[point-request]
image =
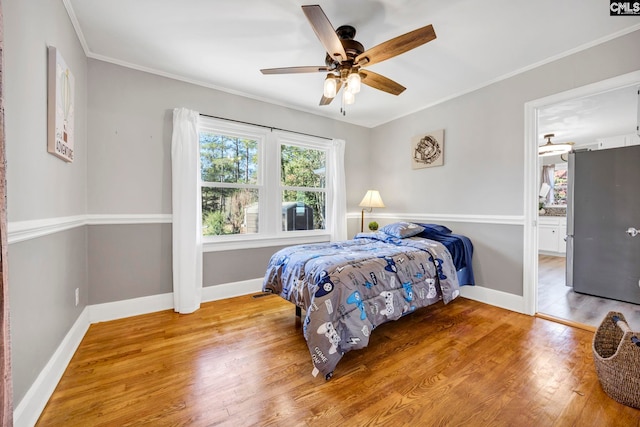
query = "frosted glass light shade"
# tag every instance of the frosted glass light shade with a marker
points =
(330, 86)
(550, 149)
(348, 97)
(354, 82)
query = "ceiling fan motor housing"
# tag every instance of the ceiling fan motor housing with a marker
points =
(352, 48)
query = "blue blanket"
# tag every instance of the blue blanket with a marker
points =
(349, 288)
(459, 246)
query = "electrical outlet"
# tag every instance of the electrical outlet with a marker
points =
(77, 296)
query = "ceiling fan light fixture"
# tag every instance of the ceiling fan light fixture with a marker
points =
(330, 86)
(551, 149)
(354, 82)
(344, 58)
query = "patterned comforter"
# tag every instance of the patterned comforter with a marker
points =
(349, 288)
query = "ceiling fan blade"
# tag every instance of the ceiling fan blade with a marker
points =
(396, 46)
(294, 70)
(325, 32)
(381, 82)
(326, 101)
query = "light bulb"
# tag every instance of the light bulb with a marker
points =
(348, 97)
(330, 86)
(354, 82)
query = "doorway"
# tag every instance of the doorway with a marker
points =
(534, 130)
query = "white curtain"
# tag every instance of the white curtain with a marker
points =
(339, 191)
(187, 216)
(548, 177)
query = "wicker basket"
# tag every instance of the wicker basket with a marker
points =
(616, 353)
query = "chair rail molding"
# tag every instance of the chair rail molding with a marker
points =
(20, 231)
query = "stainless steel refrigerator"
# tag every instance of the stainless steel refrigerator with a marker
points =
(603, 215)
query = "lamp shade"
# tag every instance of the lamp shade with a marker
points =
(372, 200)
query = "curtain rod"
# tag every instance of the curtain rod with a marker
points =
(267, 127)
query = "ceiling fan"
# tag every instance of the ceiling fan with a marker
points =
(346, 58)
(553, 149)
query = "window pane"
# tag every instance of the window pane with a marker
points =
(303, 210)
(229, 211)
(302, 167)
(560, 187)
(228, 159)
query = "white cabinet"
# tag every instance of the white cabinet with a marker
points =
(548, 238)
(618, 141)
(552, 231)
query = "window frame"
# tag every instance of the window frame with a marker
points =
(269, 180)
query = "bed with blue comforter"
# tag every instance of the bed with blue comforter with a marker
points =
(349, 288)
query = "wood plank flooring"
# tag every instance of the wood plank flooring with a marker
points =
(557, 300)
(244, 362)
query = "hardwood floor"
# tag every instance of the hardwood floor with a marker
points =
(243, 361)
(557, 300)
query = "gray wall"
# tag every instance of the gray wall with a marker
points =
(122, 166)
(40, 184)
(249, 264)
(43, 275)
(130, 124)
(484, 155)
(43, 272)
(129, 261)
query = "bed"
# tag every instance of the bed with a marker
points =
(349, 288)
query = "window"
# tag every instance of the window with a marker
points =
(230, 185)
(560, 175)
(557, 175)
(302, 184)
(261, 184)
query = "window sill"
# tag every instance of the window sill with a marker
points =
(239, 243)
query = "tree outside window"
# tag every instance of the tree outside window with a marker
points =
(229, 173)
(256, 182)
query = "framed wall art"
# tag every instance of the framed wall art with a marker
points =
(427, 150)
(60, 106)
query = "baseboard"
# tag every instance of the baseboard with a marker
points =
(493, 297)
(131, 307)
(230, 290)
(30, 407)
(550, 253)
(144, 305)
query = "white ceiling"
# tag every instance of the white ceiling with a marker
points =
(224, 44)
(583, 120)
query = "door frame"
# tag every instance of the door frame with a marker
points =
(531, 159)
